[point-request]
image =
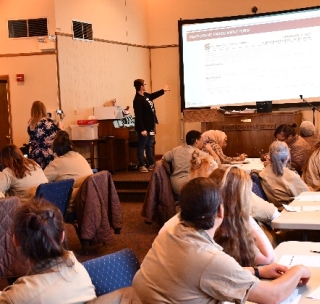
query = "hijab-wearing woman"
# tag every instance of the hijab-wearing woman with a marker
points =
(280, 183)
(42, 131)
(218, 141)
(55, 274)
(20, 176)
(239, 234)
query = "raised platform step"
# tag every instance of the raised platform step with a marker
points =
(131, 186)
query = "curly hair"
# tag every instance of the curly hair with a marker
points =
(201, 166)
(12, 157)
(234, 234)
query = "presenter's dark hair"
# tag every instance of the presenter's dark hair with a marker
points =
(38, 228)
(199, 201)
(192, 136)
(286, 129)
(62, 143)
(138, 83)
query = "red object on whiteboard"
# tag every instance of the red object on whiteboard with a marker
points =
(87, 122)
(20, 77)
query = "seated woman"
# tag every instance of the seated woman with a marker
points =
(239, 234)
(311, 169)
(280, 183)
(21, 176)
(56, 276)
(67, 163)
(180, 158)
(192, 267)
(307, 132)
(217, 141)
(299, 148)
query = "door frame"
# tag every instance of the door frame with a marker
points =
(6, 78)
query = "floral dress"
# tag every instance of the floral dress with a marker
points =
(41, 141)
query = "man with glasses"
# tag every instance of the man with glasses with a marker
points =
(145, 122)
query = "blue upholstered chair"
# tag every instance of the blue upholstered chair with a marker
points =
(256, 186)
(57, 193)
(112, 271)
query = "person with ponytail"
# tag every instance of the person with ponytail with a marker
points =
(55, 275)
(20, 176)
(280, 183)
(299, 148)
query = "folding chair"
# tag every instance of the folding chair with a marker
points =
(57, 193)
(112, 271)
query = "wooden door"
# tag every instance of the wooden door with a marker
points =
(5, 112)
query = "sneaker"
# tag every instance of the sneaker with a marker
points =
(143, 169)
(151, 167)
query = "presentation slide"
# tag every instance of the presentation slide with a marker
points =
(260, 58)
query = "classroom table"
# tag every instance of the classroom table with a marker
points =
(249, 164)
(304, 220)
(303, 248)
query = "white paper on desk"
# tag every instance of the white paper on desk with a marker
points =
(315, 295)
(308, 196)
(293, 298)
(306, 260)
(301, 208)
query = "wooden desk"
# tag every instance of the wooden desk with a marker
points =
(91, 143)
(252, 133)
(302, 248)
(114, 152)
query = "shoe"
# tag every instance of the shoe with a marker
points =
(151, 167)
(143, 169)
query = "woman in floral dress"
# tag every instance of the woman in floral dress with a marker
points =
(42, 131)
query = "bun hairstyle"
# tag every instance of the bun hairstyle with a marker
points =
(286, 129)
(62, 143)
(199, 201)
(38, 228)
(201, 166)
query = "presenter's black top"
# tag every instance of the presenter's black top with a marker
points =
(145, 112)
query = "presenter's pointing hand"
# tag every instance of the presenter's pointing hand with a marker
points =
(166, 88)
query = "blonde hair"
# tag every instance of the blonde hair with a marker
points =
(234, 234)
(201, 166)
(38, 111)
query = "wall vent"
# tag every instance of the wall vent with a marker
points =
(28, 28)
(82, 30)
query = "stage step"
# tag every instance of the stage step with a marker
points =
(131, 191)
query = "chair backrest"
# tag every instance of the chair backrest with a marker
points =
(12, 262)
(112, 271)
(58, 193)
(256, 185)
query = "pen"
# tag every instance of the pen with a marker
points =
(315, 251)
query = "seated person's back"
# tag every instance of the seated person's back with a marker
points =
(20, 176)
(68, 163)
(180, 158)
(55, 276)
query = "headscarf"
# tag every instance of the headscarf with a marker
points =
(213, 136)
